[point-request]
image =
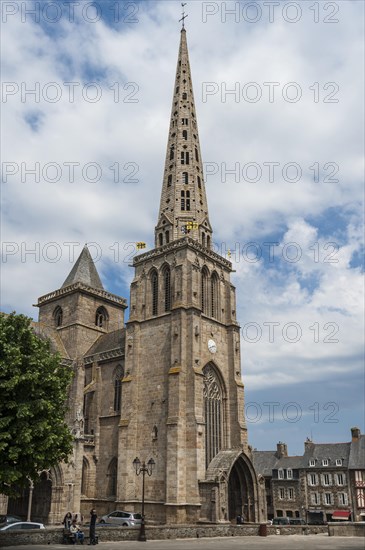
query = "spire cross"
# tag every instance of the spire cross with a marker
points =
(183, 16)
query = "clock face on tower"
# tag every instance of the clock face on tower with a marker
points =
(212, 346)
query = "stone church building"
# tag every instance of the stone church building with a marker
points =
(165, 385)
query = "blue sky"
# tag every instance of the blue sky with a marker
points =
(280, 110)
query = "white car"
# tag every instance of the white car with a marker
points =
(22, 525)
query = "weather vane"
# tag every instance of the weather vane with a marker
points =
(183, 15)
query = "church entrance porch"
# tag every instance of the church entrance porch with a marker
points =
(231, 488)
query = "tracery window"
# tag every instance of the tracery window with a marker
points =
(154, 289)
(214, 296)
(204, 290)
(117, 382)
(167, 287)
(101, 317)
(213, 408)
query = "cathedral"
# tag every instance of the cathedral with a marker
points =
(165, 385)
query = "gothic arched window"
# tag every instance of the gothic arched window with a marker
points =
(85, 475)
(101, 317)
(213, 409)
(167, 287)
(112, 477)
(154, 290)
(214, 282)
(58, 316)
(188, 200)
(204, 290)
(117, 382)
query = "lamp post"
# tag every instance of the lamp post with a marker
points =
(143, 469)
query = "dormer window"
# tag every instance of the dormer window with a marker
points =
(338, 461)
(312, 462)
(289, 473)
(325, 462)
(281, 473)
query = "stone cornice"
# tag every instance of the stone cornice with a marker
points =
(174, 246)
(104, 355)
(81, 287)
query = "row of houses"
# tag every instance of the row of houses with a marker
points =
(324, 484)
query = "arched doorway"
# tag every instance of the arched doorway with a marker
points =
(230, 488)
(42, 497)
(41, 500)
(241, 491)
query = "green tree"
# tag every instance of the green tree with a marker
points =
(33, 392)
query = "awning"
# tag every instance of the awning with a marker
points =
(341, 514)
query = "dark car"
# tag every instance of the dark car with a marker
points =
(8, 518)
(280, 521)
(297, 521)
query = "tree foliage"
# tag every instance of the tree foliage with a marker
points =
(33, 392)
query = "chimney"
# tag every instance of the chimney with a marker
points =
(281, 449)
(308, 443)
(355, 433)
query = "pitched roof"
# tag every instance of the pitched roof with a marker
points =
(84, 271)
(357, 454)
(107, 342)
(293, 462)
(332, 451)
(264, 462)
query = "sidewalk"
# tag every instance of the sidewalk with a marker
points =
(292, 542)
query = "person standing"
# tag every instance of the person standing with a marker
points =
(93, 517)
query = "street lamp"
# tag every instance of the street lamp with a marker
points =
(143, 469)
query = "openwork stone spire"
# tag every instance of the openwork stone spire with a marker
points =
(183, 207)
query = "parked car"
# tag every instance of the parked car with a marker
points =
(125, 519)
(22, 525)
(8, 518)
(280, 521)
(297, 521)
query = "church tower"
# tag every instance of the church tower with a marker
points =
(183, 396)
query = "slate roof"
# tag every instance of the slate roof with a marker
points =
(357, 454)
(332, 451)
(84, 271)
(108, 342)
(264, 462)
(291, 462)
